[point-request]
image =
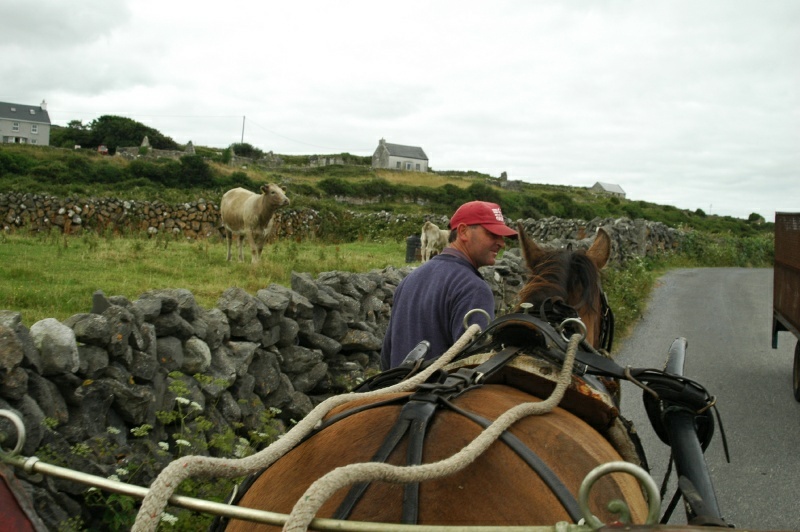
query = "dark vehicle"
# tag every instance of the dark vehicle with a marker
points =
(786, 288)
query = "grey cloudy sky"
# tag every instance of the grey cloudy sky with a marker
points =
(691, 103)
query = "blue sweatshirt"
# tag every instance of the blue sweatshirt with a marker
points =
(430, 304)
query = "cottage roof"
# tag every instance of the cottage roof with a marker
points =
(608, 187)
(25, 113)
(410, 152)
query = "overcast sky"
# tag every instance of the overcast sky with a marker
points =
(690, 103)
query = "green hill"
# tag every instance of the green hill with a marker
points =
(209, 172)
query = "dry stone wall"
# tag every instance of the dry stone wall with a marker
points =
(196, 219)
(201, 219)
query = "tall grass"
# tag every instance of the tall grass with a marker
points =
(47, 275)
(50, 276)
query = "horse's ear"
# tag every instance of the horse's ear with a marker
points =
(530, 251)
(600, 251)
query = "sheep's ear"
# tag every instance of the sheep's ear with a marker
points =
(264, 189)
(600, 251)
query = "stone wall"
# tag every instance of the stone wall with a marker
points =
(201, 219)
(196, 219)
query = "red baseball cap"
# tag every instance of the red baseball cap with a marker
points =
(482, 213)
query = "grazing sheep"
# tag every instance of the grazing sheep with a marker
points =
(247, 213)
(433, 240)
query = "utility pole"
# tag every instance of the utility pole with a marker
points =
(242, 129)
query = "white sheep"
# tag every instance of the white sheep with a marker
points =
(432, 240)
(246, 213)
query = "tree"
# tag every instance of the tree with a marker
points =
(75, 134)
(243, 149)
(116, 131)
(195, 171)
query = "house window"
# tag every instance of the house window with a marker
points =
(35, 129)
(408, 166)
(417, 167)
(398, 165)
(15, 126)
(33, 141)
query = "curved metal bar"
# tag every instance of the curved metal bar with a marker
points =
(20, 426)
(476, 311)
(617, 506)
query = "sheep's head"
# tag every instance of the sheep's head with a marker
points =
(276, 196)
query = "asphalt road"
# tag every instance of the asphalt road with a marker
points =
(726, 316)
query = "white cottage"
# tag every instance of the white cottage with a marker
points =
(608, 188)
(399, 157)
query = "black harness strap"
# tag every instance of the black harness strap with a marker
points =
(416, 438)
(547, 475)
(413, 419)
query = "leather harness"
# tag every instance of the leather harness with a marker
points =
(509, 331)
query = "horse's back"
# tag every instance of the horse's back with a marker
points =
(498, 488)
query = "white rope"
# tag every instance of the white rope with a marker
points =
(315, 496)
(178, 470)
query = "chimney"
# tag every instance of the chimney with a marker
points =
(43, 105)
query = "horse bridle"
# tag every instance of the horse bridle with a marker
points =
(554, 311)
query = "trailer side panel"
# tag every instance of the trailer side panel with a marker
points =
(786, 286)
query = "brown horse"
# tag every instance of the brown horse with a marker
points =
(499, 487)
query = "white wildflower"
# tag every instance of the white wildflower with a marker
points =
(164, 445)
(112, 430)
(115, 478)
(182, 400)
(183, 443)
(122, 472)
(169, 518)
(241, 448)
(196, 405)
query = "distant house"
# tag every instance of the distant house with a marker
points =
(24, 124)
(609, 189)
(399, 157)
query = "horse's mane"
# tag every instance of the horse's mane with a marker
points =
(570, 275)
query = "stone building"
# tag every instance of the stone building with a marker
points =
(399, 157)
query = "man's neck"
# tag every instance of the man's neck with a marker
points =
(456, 248)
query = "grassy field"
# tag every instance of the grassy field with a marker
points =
(50, 276)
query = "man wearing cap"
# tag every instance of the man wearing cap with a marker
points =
(431, 302)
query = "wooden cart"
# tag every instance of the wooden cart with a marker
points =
(786, 286)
